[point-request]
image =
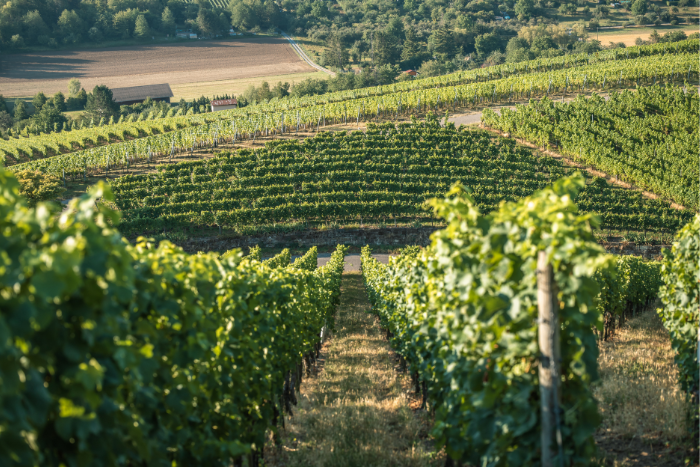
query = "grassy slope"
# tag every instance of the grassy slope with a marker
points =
(357, 410)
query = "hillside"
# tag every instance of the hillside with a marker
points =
(383, 176)
(535, 301)
(557, 76)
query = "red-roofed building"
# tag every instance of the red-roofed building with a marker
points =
(411, 72)
(223, 104)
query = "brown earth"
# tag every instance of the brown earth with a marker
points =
(24, 75)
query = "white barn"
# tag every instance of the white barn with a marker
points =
(223, 104)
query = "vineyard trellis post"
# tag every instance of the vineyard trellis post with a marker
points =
(548, 338)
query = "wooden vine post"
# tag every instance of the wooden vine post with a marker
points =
(548, 337)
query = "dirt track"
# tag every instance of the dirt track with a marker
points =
(184, 62)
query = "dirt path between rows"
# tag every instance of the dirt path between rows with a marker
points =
(357, 409)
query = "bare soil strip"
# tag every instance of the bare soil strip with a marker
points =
(178, 63)
(357, 409)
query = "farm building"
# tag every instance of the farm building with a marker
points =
(223, 104)
(137, 94)
(411, 72)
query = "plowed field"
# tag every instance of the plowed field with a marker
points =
(179, 63)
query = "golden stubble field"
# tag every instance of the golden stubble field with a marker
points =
(180, 63)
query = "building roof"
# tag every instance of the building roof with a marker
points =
(224, 102)
(135, 93)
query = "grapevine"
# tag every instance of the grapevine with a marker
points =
(142, 354)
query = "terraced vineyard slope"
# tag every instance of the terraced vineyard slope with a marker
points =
(383, 176)
(648, 137)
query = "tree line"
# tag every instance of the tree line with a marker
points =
(46, 114)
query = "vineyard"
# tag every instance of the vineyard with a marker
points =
(648, 137)
(647, 65)
(463, 316)
(214, 3)
(486, 345)
(121, 362)
(382, 176)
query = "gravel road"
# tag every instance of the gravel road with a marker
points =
(352, 262)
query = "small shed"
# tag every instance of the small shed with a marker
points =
(411, 72)
(223, 104)
(137, 94)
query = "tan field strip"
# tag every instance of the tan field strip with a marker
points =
(237, 86)
(628, 36)
(179, 63)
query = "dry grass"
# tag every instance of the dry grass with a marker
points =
(646, 417)
(356, 411)
(237, 86)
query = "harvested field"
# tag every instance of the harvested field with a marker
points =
(629, 36)
(178, 63)
(237, 86)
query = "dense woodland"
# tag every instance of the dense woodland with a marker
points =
(405, 32)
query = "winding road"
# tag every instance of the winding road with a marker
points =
(303, 55)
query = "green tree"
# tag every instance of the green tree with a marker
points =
(20, 111)
(141, 28)
(70, 23)
(95, 34)
(639, 7)
(208, 21)
(264, 93)
(48, 118)
(395, 28)
(386, 48)
(280, 90)
(6, 120)
(17, 41)
(337, 53)
(357, 51)
(124, 22)
(411, 47)
(3, 104)
(442, 42)
(100, 104)
(487, 43)
(431, 68)
(242, 16)
(542, 43)
(59, 101)
(655, 37)
(386, 74)
(319, 9)
(524, 9)
(517, 50)
(167, 21)
(495, 58)
(74, 87)
(34, 23)
(39, 101)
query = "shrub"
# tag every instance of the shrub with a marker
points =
(37, 187)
